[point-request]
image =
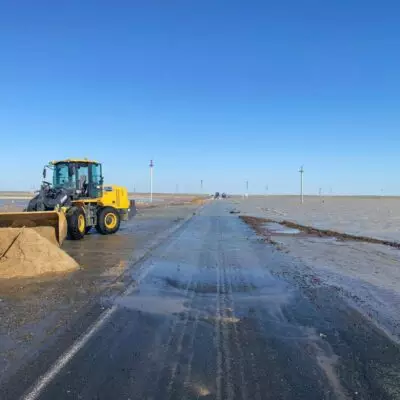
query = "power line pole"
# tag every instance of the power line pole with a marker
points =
(247, 188)
(201, 185)
(301, 184)
(151, 180)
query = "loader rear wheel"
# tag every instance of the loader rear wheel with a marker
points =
(76, 223)
(108, 220)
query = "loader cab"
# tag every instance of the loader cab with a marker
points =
(83, 177)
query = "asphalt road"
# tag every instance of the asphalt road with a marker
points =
(212, 318)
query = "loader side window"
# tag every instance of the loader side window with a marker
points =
(82, 177)
(96, 174)
(95, 181)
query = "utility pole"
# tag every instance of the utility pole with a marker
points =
(247, 188)
(201, 186)
(301, 184)
(151, 180)
(266, 189)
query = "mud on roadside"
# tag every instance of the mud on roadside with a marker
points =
(258, 223)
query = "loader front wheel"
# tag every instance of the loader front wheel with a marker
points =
(108, 220)
(76, 223)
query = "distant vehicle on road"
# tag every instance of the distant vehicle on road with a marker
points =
(216, 195)
(224, 196)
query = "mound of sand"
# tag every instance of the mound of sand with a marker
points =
(26, 253)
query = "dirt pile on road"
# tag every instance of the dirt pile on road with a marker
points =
(198, 200)
(24, 252)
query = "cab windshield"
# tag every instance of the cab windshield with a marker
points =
(62, 177)
(85, 178)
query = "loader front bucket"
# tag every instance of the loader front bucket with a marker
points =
(50, 224)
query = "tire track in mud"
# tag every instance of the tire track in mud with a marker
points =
(228, 323)
(238, 340)
(163, 361)
(179, 347)
(223, 321)
(257, 317)
(188, 376)
(166, 347)
(258, 322)
(191, 317)
(218, 347)
(205, 261)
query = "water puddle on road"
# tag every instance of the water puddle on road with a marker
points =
(153, 303)
(169, 285)
(278, 229)
(325, 240)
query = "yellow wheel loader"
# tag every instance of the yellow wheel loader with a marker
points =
(74, 202)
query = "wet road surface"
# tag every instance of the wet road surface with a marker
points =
(39, 314)
(211, 318)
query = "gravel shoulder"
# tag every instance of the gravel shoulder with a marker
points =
(35, 312)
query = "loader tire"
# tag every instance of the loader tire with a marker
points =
(34, 205)
(76, 223)
(108, 220)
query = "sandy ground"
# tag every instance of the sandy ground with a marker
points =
(377, 217)
(367, 275)
(33, 312)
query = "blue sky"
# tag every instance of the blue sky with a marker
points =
(224, 91)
